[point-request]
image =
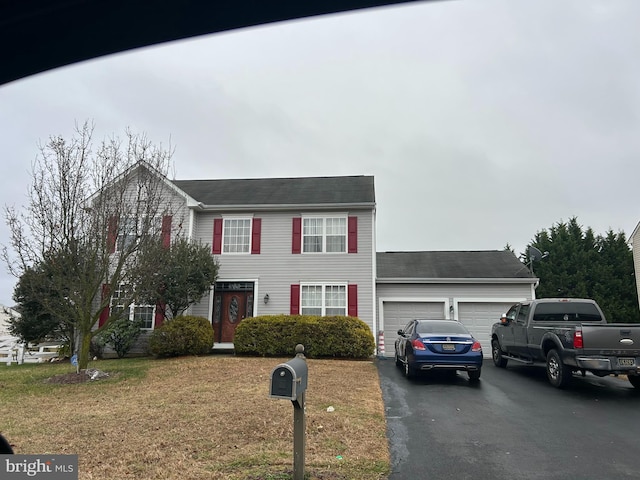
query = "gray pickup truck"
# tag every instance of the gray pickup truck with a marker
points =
(566, 335)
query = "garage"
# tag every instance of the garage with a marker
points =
(478, 317)
(475, 287)
(397, 314)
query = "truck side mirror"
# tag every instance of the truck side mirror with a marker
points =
(504, 320)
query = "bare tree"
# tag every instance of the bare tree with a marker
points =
(88, 216)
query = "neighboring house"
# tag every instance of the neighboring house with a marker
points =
(635, 246)
(475, 287)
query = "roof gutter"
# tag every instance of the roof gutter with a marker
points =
(405, 280)
(281, 207)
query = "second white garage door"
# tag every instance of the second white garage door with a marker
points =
(478, 317)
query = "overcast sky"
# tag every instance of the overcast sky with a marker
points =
(483, 122)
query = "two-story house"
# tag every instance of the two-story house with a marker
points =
(284, 245)
(307, 246)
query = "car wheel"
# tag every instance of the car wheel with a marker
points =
(474, 374)
(398, 362)
(496, 353)
(558, 373)
(635, 380)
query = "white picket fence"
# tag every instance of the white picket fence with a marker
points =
(14, 351)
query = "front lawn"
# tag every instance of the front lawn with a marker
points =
(197, 418)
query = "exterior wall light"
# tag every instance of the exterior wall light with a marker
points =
(266, 298)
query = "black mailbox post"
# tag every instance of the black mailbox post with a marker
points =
(289, 382)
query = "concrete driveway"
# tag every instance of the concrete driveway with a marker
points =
(510, 425)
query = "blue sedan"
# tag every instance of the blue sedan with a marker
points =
(438, 345)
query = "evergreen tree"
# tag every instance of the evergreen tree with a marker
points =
(585, 265)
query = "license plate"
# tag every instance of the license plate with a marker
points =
(448, 346)
(626, 362)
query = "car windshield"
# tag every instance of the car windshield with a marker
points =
(441, 326)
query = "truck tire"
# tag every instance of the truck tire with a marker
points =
(558, 373)
(635, 380)
(496, 353)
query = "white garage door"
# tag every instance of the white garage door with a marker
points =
(397, 314)
(478, 317)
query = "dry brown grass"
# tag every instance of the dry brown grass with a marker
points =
(201, 418)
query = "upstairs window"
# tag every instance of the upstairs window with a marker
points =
(129, 229)
(127, 233)
(236, 237)
(324, 235)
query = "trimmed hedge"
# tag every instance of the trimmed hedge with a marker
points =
(184, 335)
(322, 337)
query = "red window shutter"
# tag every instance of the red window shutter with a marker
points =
(256, 231)
(295, 299)
(166, 231)
(353, 234)
(112, 234)
(296, 241)
(104, 314)
(217, 236)
(159, 318)
(352, 300)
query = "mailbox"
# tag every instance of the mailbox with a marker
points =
(289, 380)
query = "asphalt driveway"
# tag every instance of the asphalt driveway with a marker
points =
(511, 424)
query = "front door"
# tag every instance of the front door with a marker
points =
(230, 307)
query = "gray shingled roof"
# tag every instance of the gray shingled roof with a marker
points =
(450, 264)
(281, 191)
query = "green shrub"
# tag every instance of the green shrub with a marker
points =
(322, 337)
(184, 335)
(121, 335)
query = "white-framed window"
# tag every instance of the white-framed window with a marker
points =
(236, 235)
(127, 233)
(145, 313)
(130, 229)
(324, 234)
(323, 299)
